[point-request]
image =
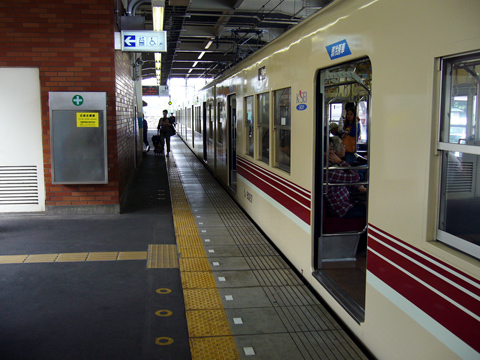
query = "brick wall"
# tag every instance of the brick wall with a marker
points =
(126, 126)
(72, 43)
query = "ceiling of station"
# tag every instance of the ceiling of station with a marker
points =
(207, 37)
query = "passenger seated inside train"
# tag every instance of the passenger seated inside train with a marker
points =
(338, 199)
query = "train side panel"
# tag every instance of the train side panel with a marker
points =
(402, 42)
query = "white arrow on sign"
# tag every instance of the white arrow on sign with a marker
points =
(129, 41)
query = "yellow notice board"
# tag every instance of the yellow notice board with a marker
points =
(87, 119)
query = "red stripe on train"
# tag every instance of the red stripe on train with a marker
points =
(433, 301)
(276, 193)
(299, 194)
(298, 189)
(279, 188)
(429, 261)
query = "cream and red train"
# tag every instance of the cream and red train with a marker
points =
(412, 69)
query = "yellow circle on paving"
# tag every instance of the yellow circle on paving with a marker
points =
(163, 341)
(163, 313)
(164, 291)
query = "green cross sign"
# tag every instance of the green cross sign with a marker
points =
(77, 100)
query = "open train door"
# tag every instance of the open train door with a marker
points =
(204, 130)
(342, 182)
(232, 142)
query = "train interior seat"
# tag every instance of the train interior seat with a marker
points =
(343, 245)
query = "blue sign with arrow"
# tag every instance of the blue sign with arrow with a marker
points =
(129, 41)
(144, 41)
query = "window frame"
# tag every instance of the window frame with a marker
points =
(444, 147)
(250, 127)
(261, 128)
(221, 118)
(278, 128)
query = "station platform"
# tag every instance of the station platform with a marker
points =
(183, 273)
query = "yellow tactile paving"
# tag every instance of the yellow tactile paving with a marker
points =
(180, 213)
(102, 256)
(187, 231)
(202, 299)
(187, 223)
(162, 256)
(198, 280)
(194, 264)
(192, 251)
(194, 240)
(67, 257)
(181, 204)
(214, 348)
(206, 319)
(183, 213)
(132, 255)
(208, 323)
(40, 258)
(76, 257)
(12, 259)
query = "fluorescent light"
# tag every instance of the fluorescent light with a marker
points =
(189, 71)
(208, 44)
(158, 13)
(195, 64)
(201, 55)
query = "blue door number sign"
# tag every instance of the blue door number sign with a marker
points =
(338, 50)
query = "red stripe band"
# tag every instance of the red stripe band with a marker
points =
(291, 196)
(447, 295)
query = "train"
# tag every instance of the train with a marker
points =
(404, 277)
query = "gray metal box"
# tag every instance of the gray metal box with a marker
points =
(78, 137)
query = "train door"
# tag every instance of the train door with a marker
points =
(193, 121)
(232, 141)
(210, 132)
(204, 130)
(342, 182)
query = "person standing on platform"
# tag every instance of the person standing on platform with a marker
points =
(165, 128)
(145, 134)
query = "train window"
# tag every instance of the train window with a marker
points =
(198, 122)
(221, 117)
(210, 121)
(335, 113)
(249, 125)
(189, 118)
(282, 128)
(263, 126)
(459, 144)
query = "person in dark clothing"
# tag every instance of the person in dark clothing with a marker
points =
(165, 129)
(145, 134)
